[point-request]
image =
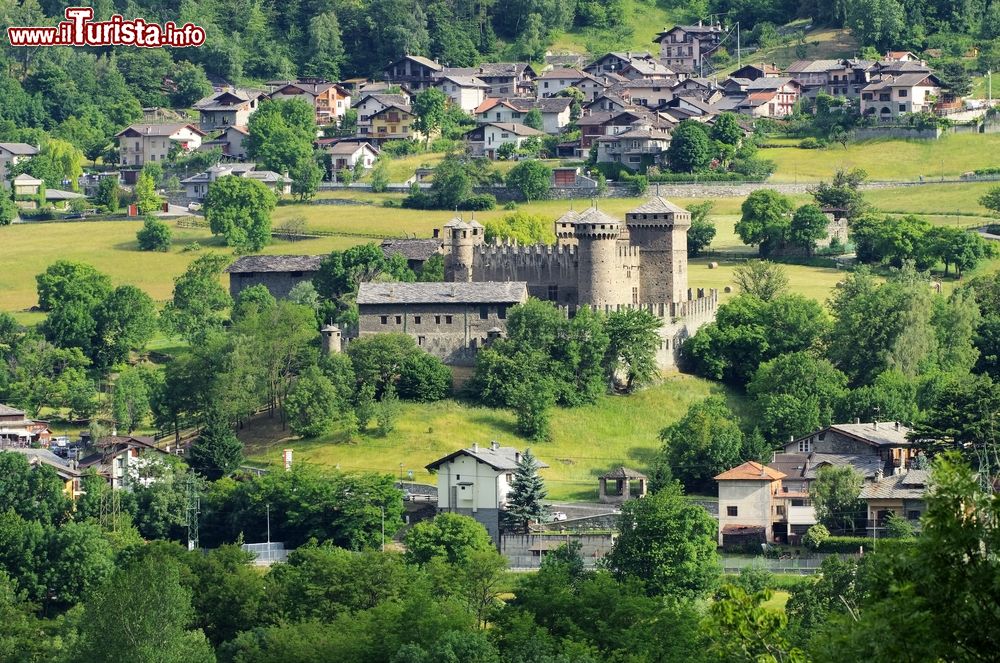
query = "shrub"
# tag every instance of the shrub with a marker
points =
(390, 203)
(843, 544)
(401, 148)
(811, 143)
(423, 377)
(755, 577)
(153, 236)
(480, 202)
(815, 537)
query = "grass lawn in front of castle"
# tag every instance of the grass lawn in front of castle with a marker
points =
(586, 441)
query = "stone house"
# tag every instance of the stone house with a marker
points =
(889, 97)
(452, 321)
(754, 71)
(475, 482)
(614, 62)
(12, 154)
(416, 251)
(887, 441)
(278, 273)
(634, 147)
(812, 75)
(372, 103)
(231, 107)
(689, 46)
(414, 72)
(139, 144)
(848, 77)
(505, 79)
(903, 495)
(329, 100)
(747, 504)
(230, 140)
(31, 193)
(608, 102)
(466, 92)
(487, 139)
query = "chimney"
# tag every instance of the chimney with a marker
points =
(857, 420)
(875, 425)
(762, 473)
(437, 233)
(475, 447)
(517, 456)
(114, 432)
(897, 425)
(494, 445)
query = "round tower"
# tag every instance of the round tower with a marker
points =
(597, 236)
(461, 240)
(659, 228)
(331, 338)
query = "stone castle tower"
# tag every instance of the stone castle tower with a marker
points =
(461, 238)
(659, 228)
(597, 237)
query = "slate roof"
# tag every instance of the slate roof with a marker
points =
(497, 457)
(20, 149)
(516, 129)
(885, 433)
(8, 411)
(159, 129)
(658, 205)
(812, 66)
(595, 118)
(48, 458)
(411, 249)
(349, 147)
(479, 292)
(133, 440)
(25, 178)
(464, 81)
(909, 486)
(590, 215)
(286, 263)
(750, 471)
(770, 82)
(242, 96)
(564, 72)
(385, 99)
(623, 473)
(651, 134)
(807, 466)
(489, 69)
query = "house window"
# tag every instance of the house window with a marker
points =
(385, 319)
(502, 311)
(510, 478)
(437, 319)
(416, 319)
(801, 503)
(805, 446)
(447, 319)
(399, 319)
(913, 515)
(780, 509)
(902, 108)
(553, 293)
(732, 511)
(902, 93)
(484, 312)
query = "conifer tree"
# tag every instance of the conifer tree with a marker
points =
(524, 501)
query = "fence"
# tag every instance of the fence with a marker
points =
(267, 553)
(794, 565)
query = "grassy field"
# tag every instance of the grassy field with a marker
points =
(900, 160)
(586, 442)
(645, 20)
(945, 199)
(819, 45)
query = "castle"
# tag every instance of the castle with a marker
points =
(597, 261)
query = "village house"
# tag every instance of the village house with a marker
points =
(369, 104)
(487, 139)
(230, 140)
(278, 273)
(848, 77)
(646, 92)
(124, 460)
(754, 71)
(466, 92)
(887, 441)
(554, 81)
(633, 148)
(813, 75)
(452, 321)
(12, 154)
(329, 100)
(67, 470)
(17, 430)
(139, 144)
(592, 86)
(689, 46)
(614, 62)
(649, 70)
(393, 122)
(476, 481)
(747, 506)
(555, 112)
(196, 186)
(771, 97)
(231, 107)
(608, 102)
(903, 495)
(414, 72)
(350, 153)
(505, 79)
(31, 193)
(890, 97)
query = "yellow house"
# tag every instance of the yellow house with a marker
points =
(394, 123)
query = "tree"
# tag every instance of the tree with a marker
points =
(633, 339)
(531, 43)
(668, 543)
(525, 228)
(146, 199)
(765, 220)
(199, 298)
(991, 200)
(955, 80)
(66, 280)
(532, 401)
(761, 279)
(33, 493)
(130, 399)
(153, 236)
(878, 23)
(217, 452)
(533, 119)
(8, 210)
(690, 150)
(190, 83)
(808, 226)
(524, 500)
(530, 179)
(706, 441)
(727, 129)
(313, 405)
(429, 107)
(306, 175)
(744, 629)
(124, 322)
(380, 176)
(815, 536)
(835, 496)
(423, 377)
(158, 613)
(702, 230)
(240, 209)
(843, 193)
(452, 183)
(961, 416)
(281, 135)
(448, 536)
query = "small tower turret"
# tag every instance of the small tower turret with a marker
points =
(597, 236)
(331, 338)
(659, 228)
(461, 238)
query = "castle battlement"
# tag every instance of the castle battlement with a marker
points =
(704, 305)
(513, 249)
(628, 251)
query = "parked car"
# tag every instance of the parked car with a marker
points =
(558, 516)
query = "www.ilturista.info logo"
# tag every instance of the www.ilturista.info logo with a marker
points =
(79, 30)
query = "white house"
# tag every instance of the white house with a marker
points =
(486, 139)
(466, 92)
(746, 504)
(230, 107)
(230, 141)
(370, 104)
(125, 461)
(11, 154)
(553, 81)
(631, 148)
(349, 153)
(139, 144)
(196, 186)
(475, 482)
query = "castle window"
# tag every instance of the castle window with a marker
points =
(484, 312)
(502, 311)
(447, 319)
(437, 319)
(295, 275)
(416, 319)
(399, 319)
(421, 339)
(635, 295)
(554, 293)
(385, 319)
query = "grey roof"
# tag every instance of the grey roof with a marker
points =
(658, 205)
(419, 59)
(590, 215)
(812, 66)
(242, 95)
(544, 105)
(59, 194)
(267, 176)
(21, 149)
(489, 69)
(644, 83)
(770, 82)
(159, 129)
(516, 129)
(480, 292)
(911, 485)
(25, 178)
(464, 81)
(886, 433)
(651, 134)
(807, 466)
(8, 411)
(47, 457)
(497, 457)
(564, 72)
(285, 263)
(131, 440)
(411, 249)
(349, 147)
(385, 99)
(595, 118)
(623, 473)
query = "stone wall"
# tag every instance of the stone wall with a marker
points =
(279, 284)
(902, 133)
(542, 267)
(525, 551)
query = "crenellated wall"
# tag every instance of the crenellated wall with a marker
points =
(543, 267)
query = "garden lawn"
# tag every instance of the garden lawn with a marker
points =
(885, 160)
(943, 199)
(814, 282)
(645, 21)
(587, 441)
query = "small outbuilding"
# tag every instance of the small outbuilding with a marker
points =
(623, 479)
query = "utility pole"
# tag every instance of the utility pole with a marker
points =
(193, 509)
(382, 509)
(269, 527)
(989, 86)
(739, 55)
